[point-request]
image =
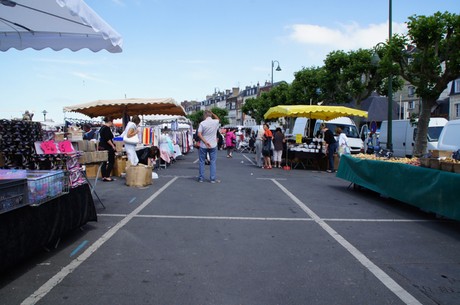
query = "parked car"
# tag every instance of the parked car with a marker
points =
(404, 133)
(449, 139)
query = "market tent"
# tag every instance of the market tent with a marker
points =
(55, 24)
(321, 112)
(312, 111)
(128, 107)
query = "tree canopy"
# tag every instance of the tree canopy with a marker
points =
(429, 58)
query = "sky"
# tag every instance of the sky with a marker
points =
(188, 49)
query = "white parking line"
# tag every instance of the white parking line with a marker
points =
(391, 284)
(61, 275)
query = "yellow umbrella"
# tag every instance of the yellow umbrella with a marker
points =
(325, 113)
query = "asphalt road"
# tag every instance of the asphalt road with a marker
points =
(258, 237)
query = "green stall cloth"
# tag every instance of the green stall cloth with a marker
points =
(428, 189)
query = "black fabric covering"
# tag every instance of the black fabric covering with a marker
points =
(26, 230)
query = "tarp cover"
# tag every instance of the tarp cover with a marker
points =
(312, 111)
(426, 188)
(131, 106)
(55, 24)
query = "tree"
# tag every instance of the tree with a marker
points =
(197, 116)
(257, 107)
(351, 76)
(429, 58)
(307, 86)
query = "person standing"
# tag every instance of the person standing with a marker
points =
(230, 141)
(331, 146)
(208, 144)
(343, 148)
(278, 143)
(132, 131)
(259, 145)
(267, 147)
(106, 143)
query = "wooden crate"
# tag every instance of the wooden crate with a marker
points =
(447, 166)
(456, 168)
(435, 163)
(425, 162)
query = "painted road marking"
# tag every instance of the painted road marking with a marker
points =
(78, 248)
(391, 284)
(61, 275)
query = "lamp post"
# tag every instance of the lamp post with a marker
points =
(277, 68)
(390, 87)
(374, 61)
(44, 115)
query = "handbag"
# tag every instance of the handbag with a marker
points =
(132, 140)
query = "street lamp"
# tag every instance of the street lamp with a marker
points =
(390, 88)
(44, 115)
(374, 61)
(277, 68)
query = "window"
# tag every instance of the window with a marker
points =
(411, 91)
(457, 110)
(411, 105)
(457, 86)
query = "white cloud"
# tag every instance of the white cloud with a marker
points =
(344, 36)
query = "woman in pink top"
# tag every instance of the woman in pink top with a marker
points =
(230, 140)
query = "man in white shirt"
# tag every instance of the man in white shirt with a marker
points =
(207, 131)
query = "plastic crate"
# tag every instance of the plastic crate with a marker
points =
(13, 194)
(44, 186)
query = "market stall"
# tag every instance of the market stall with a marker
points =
(429, 189)
(309, 152)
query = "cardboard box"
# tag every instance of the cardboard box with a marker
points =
(441, 153)
(119, 166)
(140, 175)
(119, 145)
(91, 170)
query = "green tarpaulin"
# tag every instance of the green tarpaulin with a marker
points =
(429, 189)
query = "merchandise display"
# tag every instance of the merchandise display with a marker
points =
(46, 185)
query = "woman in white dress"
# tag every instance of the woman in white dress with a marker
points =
(131, 131)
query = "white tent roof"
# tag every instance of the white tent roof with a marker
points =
(55, 24)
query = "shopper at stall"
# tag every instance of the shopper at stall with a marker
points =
(278, 144)
(259, 145)
(230, 142)
(89, 133)
(208, 144)
(267, 147)
(331, 146)
(132, 131)
(343, 148)
(106, 143)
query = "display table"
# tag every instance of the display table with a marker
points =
(26, 230)
(428, 189)
(305, 159)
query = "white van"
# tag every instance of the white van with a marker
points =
(404, 133)
(449, 139)
(348, 127)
